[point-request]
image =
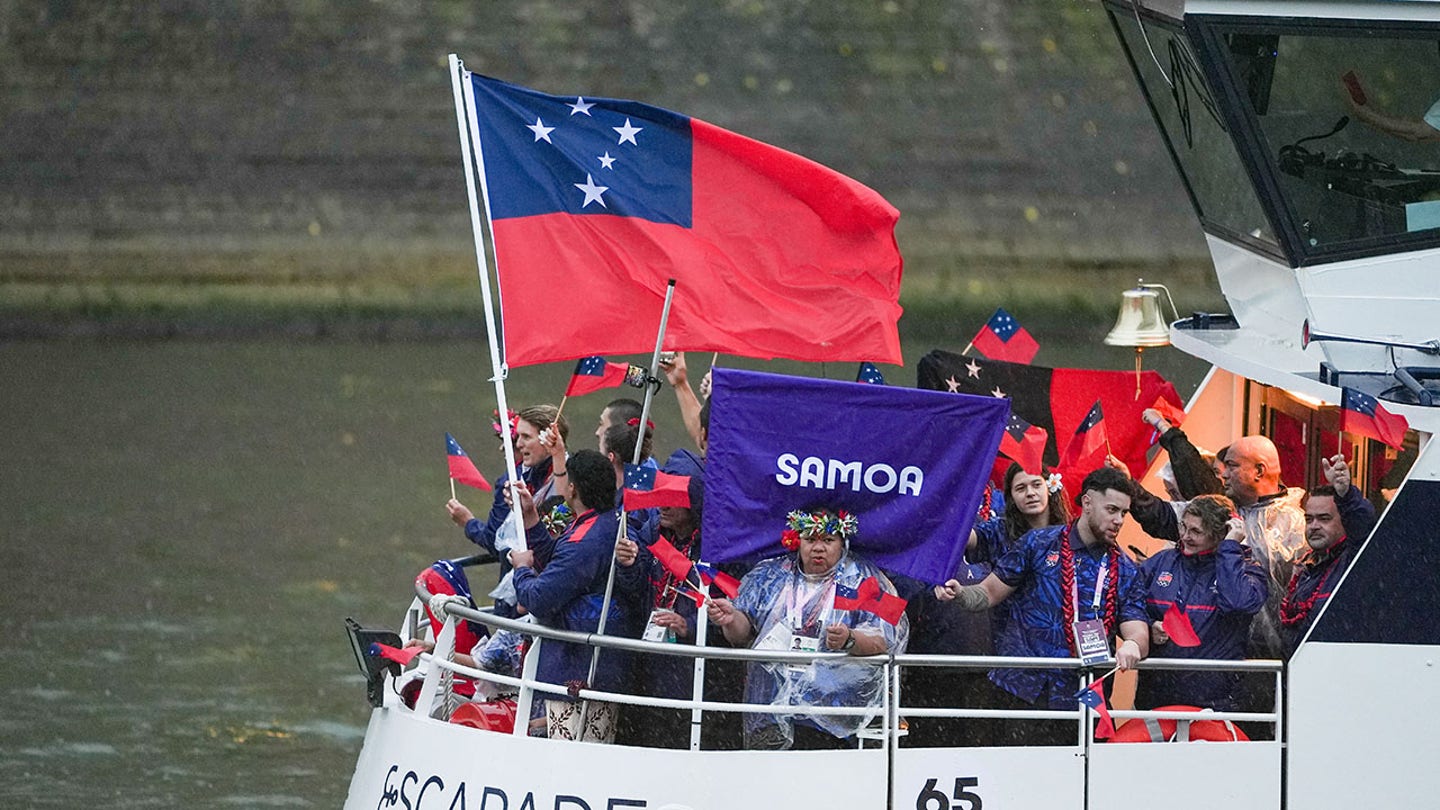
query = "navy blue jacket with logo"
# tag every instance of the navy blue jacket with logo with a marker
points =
(1220, 592)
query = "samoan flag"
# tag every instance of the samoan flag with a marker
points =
(647, 488)
(1003, 338)
(606, 200)
(1178, 627)
(462, 469)
(1363, 414)
(1086, 450)
(1024, 443)
(1094, 697)
(593, 373)
(872, 598)
(911, 465)
(868, 373)
(710, 575)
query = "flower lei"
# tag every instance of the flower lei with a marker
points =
(985, 512)
(1067, 587)
(557, 519)
(1291, 612)
(800, 524)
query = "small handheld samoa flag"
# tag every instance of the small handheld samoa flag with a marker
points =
(1168, 411)
(462, 469)
(1024, 443)
(1365, 415)
(646, 487)
(868, 373)
(1093, 697)
(593, 373)
(1089, 440)
(403, 657)
(671, 559)
(1003, 338)
(709, 575)
(1178, 627)
(872, 598)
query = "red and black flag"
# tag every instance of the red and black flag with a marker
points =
(1057, 400)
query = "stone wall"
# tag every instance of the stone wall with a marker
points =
(300, 138)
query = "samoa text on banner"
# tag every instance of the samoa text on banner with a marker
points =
(910, 464)
(597, 203)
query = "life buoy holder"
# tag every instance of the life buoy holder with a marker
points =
(1136, 730)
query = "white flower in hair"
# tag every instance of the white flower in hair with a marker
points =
(1053, 482)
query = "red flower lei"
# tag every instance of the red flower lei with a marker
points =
(1067, 587)
(1291, 613)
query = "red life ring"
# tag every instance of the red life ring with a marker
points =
(1136, 730)
(493, 715)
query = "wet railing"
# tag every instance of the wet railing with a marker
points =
(435, 691)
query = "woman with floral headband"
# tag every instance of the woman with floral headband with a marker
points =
(799, 602)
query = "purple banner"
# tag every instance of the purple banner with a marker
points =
(910, 464)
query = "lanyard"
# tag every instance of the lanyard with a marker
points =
(794, 609)
(1099, 592)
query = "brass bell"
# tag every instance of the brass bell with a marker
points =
(1140, 323)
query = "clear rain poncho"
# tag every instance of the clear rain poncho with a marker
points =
(786, 607)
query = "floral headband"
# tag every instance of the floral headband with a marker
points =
(557, 519)
(1053, 483)
(498, 428)
(801, 524)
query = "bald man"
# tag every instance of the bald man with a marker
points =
(1274, 526)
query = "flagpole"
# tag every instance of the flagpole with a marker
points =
(639, 445)
(469, 132)
(697, 686)
(452, 488)
(560, 410)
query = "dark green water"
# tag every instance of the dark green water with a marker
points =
(185, 526)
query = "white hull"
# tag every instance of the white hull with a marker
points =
(417, 763)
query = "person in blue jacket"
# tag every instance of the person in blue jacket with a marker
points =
(569, 595)
(533, 466)
(1337, 522)
(1211, 580)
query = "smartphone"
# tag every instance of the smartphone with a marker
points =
(1352, 83)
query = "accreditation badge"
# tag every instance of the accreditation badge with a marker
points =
(803, 643)
(658, 632)
(1090, 642)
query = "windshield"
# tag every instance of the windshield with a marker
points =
(1348, 123)
(1337, 123)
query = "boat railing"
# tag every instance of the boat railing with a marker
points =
(435, 692)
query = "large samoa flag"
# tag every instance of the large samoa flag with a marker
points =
(910, 464)
(597, 203)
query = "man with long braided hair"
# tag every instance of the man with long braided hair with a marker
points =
(1063, 578)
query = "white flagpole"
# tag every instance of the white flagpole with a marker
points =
(639, 444)
(464, 93)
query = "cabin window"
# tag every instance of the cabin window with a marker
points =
(1305, 430)
(1341, 123)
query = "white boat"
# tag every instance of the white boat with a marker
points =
(1326, 240)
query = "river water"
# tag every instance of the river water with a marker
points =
(185, 527)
